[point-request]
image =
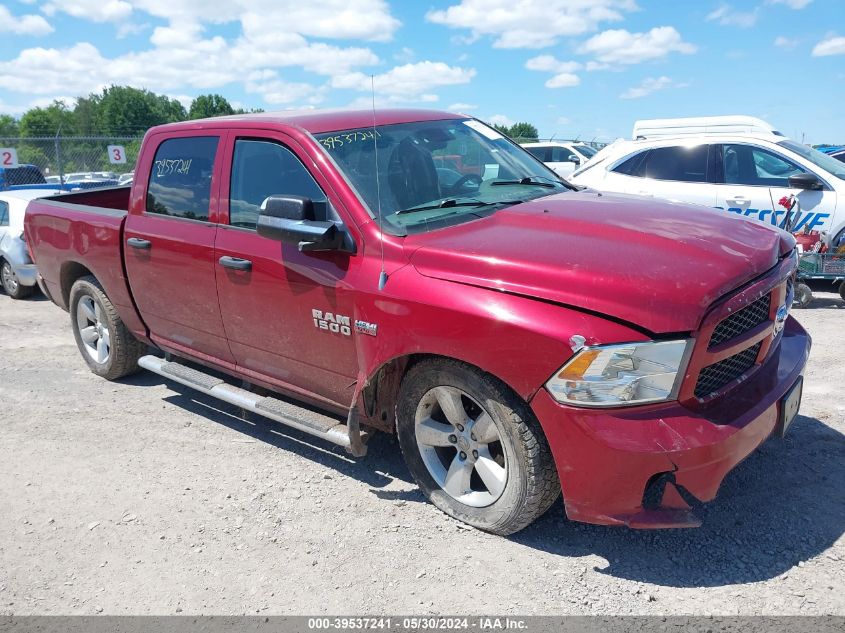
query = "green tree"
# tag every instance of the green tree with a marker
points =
(522, 131)
(47, 121)
(123, 110)
(205, 106)
(8, 125)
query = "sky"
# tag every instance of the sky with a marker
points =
(574, 68)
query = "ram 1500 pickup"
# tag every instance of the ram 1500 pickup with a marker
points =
(523, 338)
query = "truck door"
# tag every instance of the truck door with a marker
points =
(288, 315)
(169, 245)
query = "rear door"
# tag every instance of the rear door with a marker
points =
(288, 315)
(169, 244)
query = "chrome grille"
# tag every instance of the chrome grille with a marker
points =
(741, 321)
(715, 376)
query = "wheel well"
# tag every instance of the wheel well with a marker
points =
(382, 389)
(70, 272)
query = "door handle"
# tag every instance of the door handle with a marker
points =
(738, 200)
(137, 242)
(235, 263)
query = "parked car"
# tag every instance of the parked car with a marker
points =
(837, 152)
(562, 156)
(520, 336)
(744, 173)
(21, 177)
(18, 275)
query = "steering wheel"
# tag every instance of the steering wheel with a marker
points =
(463, 180)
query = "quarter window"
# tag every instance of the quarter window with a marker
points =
(261, 169)
(633, 166)
(4, 213)
(748, 165)
(180, 180)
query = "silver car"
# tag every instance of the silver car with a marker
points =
(18, 274)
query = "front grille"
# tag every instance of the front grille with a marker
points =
(742, 321)
(715, 376)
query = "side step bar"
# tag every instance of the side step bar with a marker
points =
(348, 435)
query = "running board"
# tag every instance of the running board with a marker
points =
(348, 435)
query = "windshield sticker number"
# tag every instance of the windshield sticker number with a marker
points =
(173, 166)
(348, 138)
(482, 129)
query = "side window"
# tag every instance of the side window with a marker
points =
(261, 169)
(748, 165)
(633, 166)
(682, 164)
(540, 153)
(4, 213)
(561, 154)
(180, 179)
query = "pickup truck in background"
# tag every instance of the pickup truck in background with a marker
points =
(520, 336)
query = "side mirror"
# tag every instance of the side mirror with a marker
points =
(292, 220)
(806, 181)
(572, 158)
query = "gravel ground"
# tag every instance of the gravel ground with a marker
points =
(141, 497)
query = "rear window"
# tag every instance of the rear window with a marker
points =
(180, 179)
(23, 175)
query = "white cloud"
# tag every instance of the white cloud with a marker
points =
(500, 119)
(727, 16)
(564, 76)
(462, 107)
(529, 23)
(787, 43)
(646, 87)
(23, 24)
(94, 10)
(409, 82)
(619, 46)
(563, 121)
(792, 4)
(831, 45)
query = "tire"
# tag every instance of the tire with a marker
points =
(11, 286)
(842, 290)
(510, 449)
(803, 295)
(105, 343)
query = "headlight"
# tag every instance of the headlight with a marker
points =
(621, 375)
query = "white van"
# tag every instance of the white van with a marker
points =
(742, 172)
(564, 157)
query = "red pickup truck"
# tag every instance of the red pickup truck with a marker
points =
(522, 337)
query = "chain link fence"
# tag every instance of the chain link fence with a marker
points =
(73, 159)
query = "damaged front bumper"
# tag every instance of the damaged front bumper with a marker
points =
(646, 467)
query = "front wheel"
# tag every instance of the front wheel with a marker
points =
(474, 447)
(106, 344)
(11, 285)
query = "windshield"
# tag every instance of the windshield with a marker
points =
(585, 150)
(433, 174)
(828, 163)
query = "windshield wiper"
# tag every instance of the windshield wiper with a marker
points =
(444, 204)
(524, 181)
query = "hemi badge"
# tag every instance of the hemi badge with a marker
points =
(363, 327)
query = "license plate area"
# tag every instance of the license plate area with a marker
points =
(789, 406)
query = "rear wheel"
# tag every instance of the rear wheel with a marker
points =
(11, 285)
(803, 295)
(105, 343)
(474, 447)
(842, 290)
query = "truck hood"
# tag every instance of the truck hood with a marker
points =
(657, 265)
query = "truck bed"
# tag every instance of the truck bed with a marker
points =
(83, 231)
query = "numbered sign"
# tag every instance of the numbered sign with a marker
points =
(8, 157)
(117, 154)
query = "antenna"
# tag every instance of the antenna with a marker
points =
(382, 277)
